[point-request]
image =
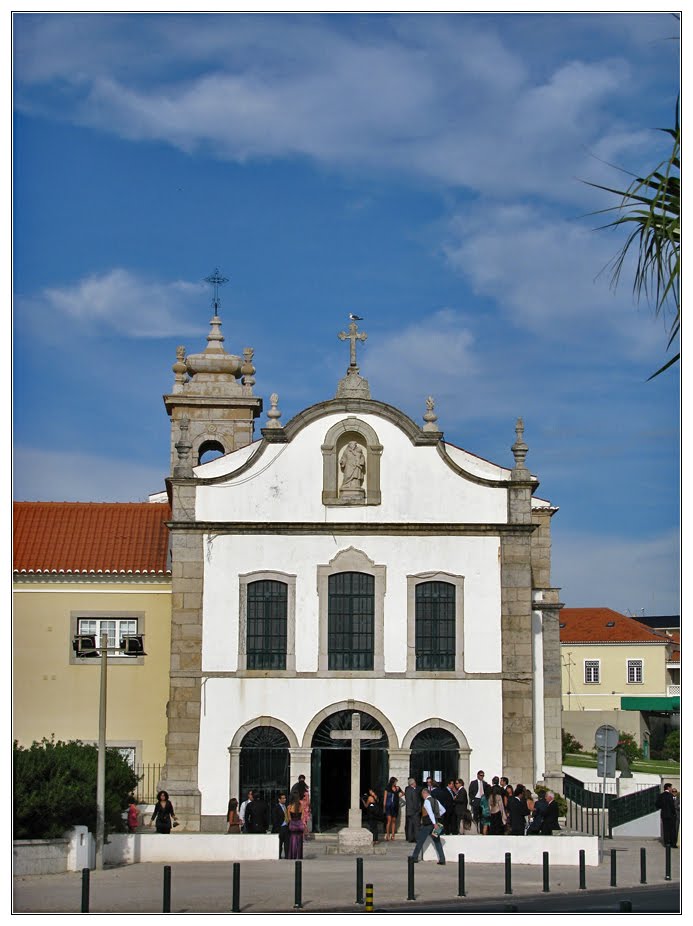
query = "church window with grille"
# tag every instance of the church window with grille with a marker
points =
(266, 625)
(351, 615)
(435, 627)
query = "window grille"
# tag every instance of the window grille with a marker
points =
(634, 671)
(267, 622)
(435, 627)
(591, 671)
(350, 622)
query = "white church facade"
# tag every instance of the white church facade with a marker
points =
(348, 561)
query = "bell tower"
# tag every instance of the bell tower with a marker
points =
(211, 405)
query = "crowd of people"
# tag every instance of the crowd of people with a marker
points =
(288, 817)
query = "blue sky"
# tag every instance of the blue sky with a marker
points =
(422, 171)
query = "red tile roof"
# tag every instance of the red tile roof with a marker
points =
(84, 537)
(602, 625)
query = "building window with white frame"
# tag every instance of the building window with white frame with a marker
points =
(592, 671)
(116, 628)
(635, 671)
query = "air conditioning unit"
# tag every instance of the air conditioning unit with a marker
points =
(85, 645)
(132, 645)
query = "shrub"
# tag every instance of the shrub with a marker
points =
(569, 743)
(626, 741)
(672, 745)
(55, 789)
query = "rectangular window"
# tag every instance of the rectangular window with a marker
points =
(435, 627)
(634, 671)
(350, 621)
(267, 625)
(116, 628)
(591, 671)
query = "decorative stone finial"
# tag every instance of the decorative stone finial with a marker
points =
(519, 449)
(247, 369)
(430, 416)
(183, 469)
(180, 369)
(274, 414)
(353, 385)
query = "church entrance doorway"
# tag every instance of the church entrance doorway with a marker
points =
(264, 763)
(330, 784)
(434, 752)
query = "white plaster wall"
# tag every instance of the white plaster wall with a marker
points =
(475, 558)
(128, 848)
(474, 705)
(648, 826)
(563, 849)
(285, 484)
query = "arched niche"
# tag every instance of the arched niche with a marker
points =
(336, 440)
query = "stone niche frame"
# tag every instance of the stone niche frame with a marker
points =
(458, 583)
(267, 575)
(336, 438)
(353, 560)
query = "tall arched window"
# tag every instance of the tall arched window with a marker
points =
(351, 621)
(435, 627)
(266, 625)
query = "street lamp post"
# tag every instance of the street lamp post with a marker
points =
(101, 760)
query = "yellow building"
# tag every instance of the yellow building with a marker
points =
(84, 568)
(615, 670)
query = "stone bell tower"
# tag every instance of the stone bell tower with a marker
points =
(212, 396)
(212, 408)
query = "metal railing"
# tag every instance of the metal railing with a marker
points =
(633, 806)
(149, 778)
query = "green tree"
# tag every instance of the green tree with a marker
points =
(650, 212)
(671, 748)
(55, 788)
(627, 742)
(569, 743)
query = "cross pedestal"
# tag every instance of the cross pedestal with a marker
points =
(355, 839)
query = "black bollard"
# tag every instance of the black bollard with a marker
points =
(643, 866)
(359, 880)
(583, 882)
(410, 879)
(625, 906)
(667, 863)
(85, 890)
(613, 868)
(298, 900)
(166, 906)
(369, 898)
(545, 863)
(508, 877)
(460, 876)
(236, 897)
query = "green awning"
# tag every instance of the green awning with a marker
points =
(651, 704)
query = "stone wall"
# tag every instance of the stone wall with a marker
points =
(40, 856)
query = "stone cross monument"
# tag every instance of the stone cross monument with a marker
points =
(353, 385)
(355, 837)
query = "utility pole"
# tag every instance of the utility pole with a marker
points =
(101, 761)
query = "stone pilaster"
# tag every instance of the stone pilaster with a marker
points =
(551, 608)
(183, 709)
(299, 763)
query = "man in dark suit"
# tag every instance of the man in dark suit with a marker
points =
(518, 811)
(549, 822)
(667, 812)
(280, 824)
(446, 797)
(257, 814)
(476, 789)
(412, 811)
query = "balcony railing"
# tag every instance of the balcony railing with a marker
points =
(673, 691)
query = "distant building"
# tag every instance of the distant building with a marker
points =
(615, 670)
(84, 569)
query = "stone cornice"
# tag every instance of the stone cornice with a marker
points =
(350, 527)
(92, 578)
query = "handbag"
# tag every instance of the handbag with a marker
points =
(437, 830)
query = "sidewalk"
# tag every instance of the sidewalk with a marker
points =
(329, 882)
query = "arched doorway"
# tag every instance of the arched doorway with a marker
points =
(331, 768)
(264, 763)
(434, 752)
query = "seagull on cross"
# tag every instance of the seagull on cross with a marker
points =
(355, 318)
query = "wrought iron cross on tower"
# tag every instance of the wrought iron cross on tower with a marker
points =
(216, 280)
(353, 336)
(356, 735)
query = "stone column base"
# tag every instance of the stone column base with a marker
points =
(357, 842)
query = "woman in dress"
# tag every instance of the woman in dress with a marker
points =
(391, 807)
(296, 830)
(232, 817)
(496, 811)
(369, 801)
(484, 815)
(163, 813)
(306, 815)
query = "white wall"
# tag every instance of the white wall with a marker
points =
(285, 484)
(227, 557)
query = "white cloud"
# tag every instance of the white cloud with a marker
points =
(124, 303)
(448, 98)
(623, 573)
(64, 476)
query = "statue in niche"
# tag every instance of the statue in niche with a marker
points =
(353, 467)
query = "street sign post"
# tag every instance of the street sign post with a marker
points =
(606, 741)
